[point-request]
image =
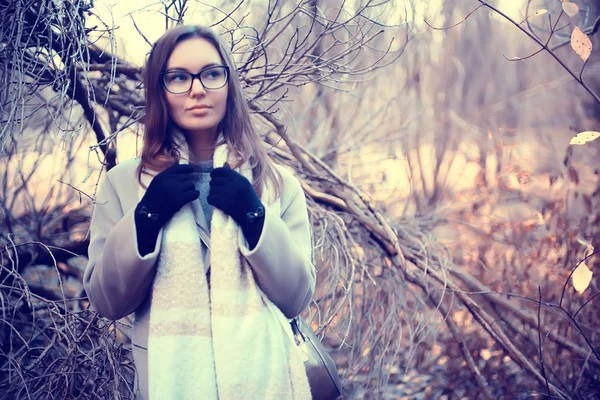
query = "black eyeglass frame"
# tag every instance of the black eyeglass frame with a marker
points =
(194, 76)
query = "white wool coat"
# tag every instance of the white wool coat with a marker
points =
(118, 279)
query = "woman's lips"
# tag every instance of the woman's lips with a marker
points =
(198, 107)
(199, 110)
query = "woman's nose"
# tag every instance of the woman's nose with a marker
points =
(197, 87)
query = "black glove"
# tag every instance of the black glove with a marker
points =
(170, 190)
(233, 194)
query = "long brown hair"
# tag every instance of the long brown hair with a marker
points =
(159, 150)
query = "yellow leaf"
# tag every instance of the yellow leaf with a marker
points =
(581, 43)
(541, 11)
(584, 137)
(486, 354)
(582, 278)
(570, 8)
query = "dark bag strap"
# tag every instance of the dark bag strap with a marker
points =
(303, 334)
(298, 335)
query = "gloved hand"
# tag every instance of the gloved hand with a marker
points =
(170, 190)
(233, 194)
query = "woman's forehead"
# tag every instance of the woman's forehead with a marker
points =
(193, 55)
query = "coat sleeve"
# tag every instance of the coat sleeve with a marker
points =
(117, 278)
(282, 258)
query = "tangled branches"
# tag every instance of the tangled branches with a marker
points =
(41, 45)
(56, 348)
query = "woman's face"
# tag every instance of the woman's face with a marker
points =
(198, 110)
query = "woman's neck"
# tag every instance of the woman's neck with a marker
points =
(202, 145)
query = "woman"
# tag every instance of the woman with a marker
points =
(204, 239)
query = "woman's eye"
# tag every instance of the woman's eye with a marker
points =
(178, 77)
(214, 74)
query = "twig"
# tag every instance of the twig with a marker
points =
(480, 379)
(139, 31)
(540, 345)
(79, 191)
(454, 25)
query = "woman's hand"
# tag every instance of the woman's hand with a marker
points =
(170, 190)
(233, 194)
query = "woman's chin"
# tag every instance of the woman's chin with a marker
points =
(204, 127)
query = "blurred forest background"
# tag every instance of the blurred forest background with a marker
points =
(455, 225)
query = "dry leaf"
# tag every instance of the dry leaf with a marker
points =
(584, 137)
(582, 278)
(570, 8)
(486, 354)
(581, 43)
(541, 11)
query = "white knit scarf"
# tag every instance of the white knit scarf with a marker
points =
(225, 342)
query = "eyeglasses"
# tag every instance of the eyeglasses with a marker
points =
(211, 78)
